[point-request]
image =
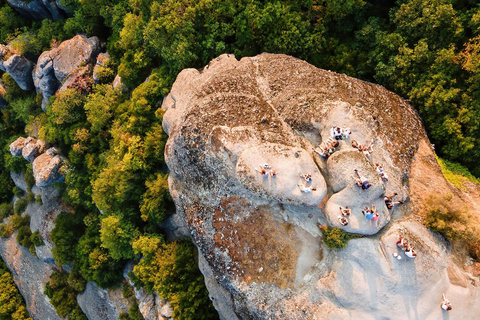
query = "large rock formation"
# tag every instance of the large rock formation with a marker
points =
(259, 244)
(18, 67)
(46, 163)
(62, 66)
(39, 9)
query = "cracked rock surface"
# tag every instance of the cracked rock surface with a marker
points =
(259, 245)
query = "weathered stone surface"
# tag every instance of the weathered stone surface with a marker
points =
(39, 9)
(18, 67)
(30, 275)
(96, 303)
(117, 83)
(33, 148)
(259, 244)
(46, 169)
(67, 60)
(17, 146)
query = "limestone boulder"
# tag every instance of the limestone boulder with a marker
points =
(33, 148)
(18, 67)
(259, 244)
(16, 147)
(46, 168)
(64, 64)
(39, 9)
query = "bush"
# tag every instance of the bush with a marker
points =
(6, 210)
(18, 192)
(36, 239)
(63, 296)
(20, 206)
(28, 176)
(450, 219)
(6, 230)
(30, 197)
(38, 199)
(134, 312)
(127, 290)
(335, 238)
(19, 221)
(23, 236)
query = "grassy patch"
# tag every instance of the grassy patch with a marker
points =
(456, 173)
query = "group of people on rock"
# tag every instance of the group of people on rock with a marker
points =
(266, 170)
(306, 187)
(345, 213)
(370, 213)
(327, 148)
(403, 244)
(340, 133)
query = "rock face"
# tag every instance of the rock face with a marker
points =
(259, 244)
(39, 9)
(18, 67)
(60, 66)
(102, 60)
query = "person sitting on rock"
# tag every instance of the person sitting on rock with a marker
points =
(323, 153)
(361, 181)
(446, 304)
(345, 212)
(343, 220)
(368, 213)
(308, 177)
(305, 189)
(346, 132)
(336, 133)
(402, 243)
(381, 173)
(374, 211)
(389, 201)
(409, 252)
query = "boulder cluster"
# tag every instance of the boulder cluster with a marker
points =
(47, 163)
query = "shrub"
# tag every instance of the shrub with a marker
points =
(335, 238)
(36, 239)
(127, 290)
(28, 176)
(6, 230)
(6, 209)
(18, 192)
(30, 197)
(23, 236)
(20, 206)
(19, 221)
(134, 312)
(38, 199)
(453, 221)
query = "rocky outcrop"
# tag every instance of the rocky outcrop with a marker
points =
(62, 66)
(39, 9)
(259, 245)
(18, 67)
(46, 163)
(46, 168)
(97, 304)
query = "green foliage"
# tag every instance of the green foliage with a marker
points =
(30, 197)
(456, 173)
(20, 221)
(68, 229)
(18, 192)
(29, 179)
(12, 305)
(63, 296)
(127, 290)
(335, 238)
(116, 237)
(20, 206)
(38, 199)
(134, 312)
(6, 186)
(157, 200)
(6, 230)
(6, 210)
(36, 239)
(171, 271)
(24, 236)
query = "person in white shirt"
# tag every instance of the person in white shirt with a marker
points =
(306, 189)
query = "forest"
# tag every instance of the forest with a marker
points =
(427, 51)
